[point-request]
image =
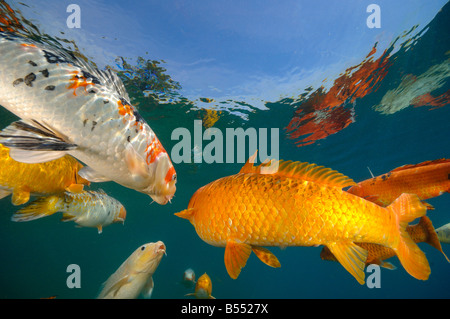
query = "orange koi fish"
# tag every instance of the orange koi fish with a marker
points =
(22, 179)
(428, 179)
(301, 204)
(377, 254)
(203, 288)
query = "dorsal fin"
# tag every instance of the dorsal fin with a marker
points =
(426, 163)
(313, 173)
(301, 170)
(249, 166)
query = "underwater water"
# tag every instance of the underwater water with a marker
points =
(339, 93)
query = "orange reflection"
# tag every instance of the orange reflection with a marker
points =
(427, 99)
(325, 113)
(8, 20)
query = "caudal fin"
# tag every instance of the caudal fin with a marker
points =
(430, 234)
(41, 207)
(406, 208)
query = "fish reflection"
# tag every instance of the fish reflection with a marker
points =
(325, 113)
(415, 90)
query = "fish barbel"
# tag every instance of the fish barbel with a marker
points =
(68, 107)
(301, 204)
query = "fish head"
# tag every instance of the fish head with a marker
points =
(121, 215)
(156, 176)
(189, 275)
(190, 212)
(204, 285)
(148, 257)
(164, 187)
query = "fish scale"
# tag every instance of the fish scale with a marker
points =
(301, 204)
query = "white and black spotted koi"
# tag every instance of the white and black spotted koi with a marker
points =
(68, 107)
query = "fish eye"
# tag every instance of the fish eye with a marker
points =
(143, 248)
(174, 177)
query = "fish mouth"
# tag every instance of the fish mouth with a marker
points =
(162, 199)
(121, 216)
(160, 248)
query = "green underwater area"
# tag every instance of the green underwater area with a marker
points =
(359, 131)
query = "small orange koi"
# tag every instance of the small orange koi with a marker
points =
(426, 180)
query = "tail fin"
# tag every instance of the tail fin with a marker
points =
(406, 208)
(431, 237)
(41, 207)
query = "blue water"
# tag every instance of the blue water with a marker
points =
(389, 114)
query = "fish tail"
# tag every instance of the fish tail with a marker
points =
(431, 236)
(41, 207)
(406, 208)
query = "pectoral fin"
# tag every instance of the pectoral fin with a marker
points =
(148, 288)
(236, 255)
(34, 157)
(266, 256)
(67, 217)
(387, 265)
(75, 188)
(33, 142)
(91, 175)
(20, 196)
(136, 163)
(116, 287)
(352, 257)
(4, 193)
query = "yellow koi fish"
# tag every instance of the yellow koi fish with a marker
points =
(87, 209)
(21, 179)
(135, 275)
(301, 204)
(203, 288)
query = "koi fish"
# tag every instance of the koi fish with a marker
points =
(87, 209)
(443, 233)
(68, 107)
(377, 254)
(426, 180)
(301, 204)
(135, 275)
(203, 288)
(189, 277)
(22, 180)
